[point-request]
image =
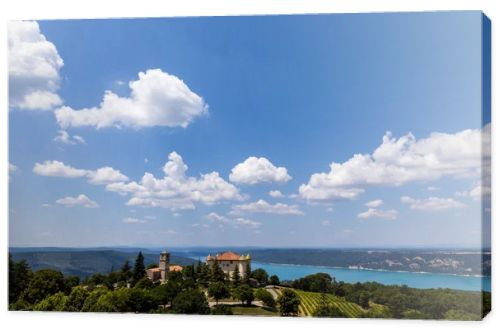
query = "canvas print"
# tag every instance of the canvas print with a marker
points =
(330, 166)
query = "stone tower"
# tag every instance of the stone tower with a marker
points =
(164, 264)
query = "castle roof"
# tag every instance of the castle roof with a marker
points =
(228, 256)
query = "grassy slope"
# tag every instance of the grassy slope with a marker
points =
(253, 310)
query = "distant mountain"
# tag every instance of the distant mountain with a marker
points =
(458, 262)
(85, 262)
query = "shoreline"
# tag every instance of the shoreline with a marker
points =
(371, 269)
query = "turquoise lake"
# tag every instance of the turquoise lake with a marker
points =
(416, 280)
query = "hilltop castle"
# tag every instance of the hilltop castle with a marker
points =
(160, 273)
(229, 261)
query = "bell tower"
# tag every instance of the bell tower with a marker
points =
(164, 264)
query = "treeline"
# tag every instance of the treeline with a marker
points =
(402, 301)
(129, 290)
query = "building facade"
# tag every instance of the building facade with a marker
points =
(164, 266)
(229, 261)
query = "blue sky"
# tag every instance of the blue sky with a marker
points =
(268, 103)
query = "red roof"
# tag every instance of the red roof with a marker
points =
(175, 267)
(228, 256)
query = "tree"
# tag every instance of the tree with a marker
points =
(244, 293)
(126, 271)
(55, 302)
(165, 293)
(44, 283)
(70, 282)
(138, 300)
(93, 297)
(139, 268)
(288, 302)
(19, 278)
(266, 297)
(364, 299)
(325, 309)
(319, 282)
(216, 273)
(236, 277)
(218, 290)
(144, 283)
(260, 275)
(274, 280)
(190, 302)
(76, 299)
(248, 272)
(221, 310)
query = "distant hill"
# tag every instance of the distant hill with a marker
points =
(84, 262)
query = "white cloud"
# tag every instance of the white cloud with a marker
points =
(330, 210)
(375, 203)
(12, 168)
(399, 161)
(34, 65)
(326, 223)
(247, 222)
(106, 175)
(431, 188)
(64, 137)
(132, 220)
(258, 170)
(478, 191)
(176, 190)
(262, 206)
(156, 99)
(432, 203)
(80, 200)
(276, 194)
(376, 213)
(215, 217)
(239, 221)
(56, 168)
(150, 217)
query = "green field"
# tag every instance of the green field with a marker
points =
(310, 300)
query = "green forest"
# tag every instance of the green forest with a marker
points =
(203, 289)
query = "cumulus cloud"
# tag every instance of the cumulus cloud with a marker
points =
(276, 194)
(106, 175)
(215, 217)
(34, 65)
(398, 161)
(54, 168)
(262, 206)
(64, 137)
(377, 213)
(235, 222)
(80, 200)
(432, 203)
(176, 190)
(157, 98)
(375, 203)
(258, 170)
